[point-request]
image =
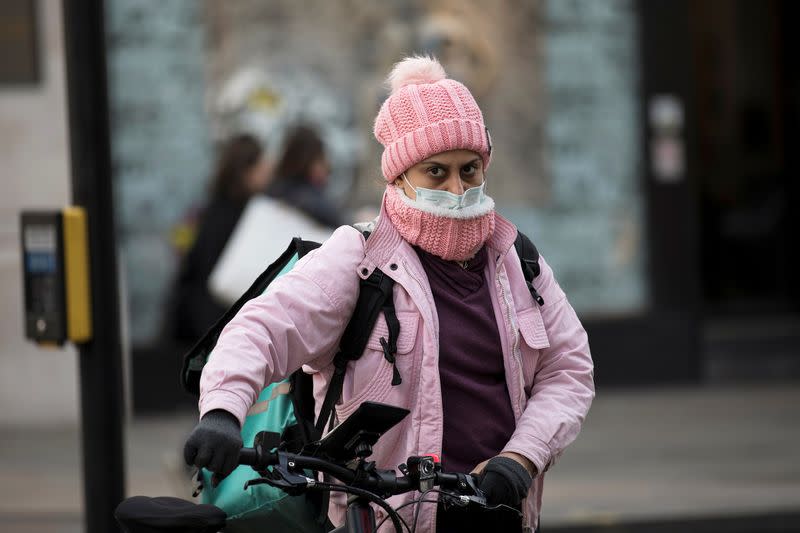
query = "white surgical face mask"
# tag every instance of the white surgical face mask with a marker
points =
(446, 199)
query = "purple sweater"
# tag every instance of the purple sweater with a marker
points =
(478, 418)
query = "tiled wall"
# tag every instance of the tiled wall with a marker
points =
(160, 142)
(591, 229)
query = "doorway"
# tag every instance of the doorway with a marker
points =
(744, 89)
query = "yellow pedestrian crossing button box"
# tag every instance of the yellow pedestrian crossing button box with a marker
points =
(55, 258)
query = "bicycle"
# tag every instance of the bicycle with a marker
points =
(342, 454)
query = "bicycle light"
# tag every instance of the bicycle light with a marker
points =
(423, 469)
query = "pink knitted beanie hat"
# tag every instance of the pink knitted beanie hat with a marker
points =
(425, 114)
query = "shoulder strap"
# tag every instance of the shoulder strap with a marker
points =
(529, 260)
(374, 296)
(196, 357)
(374, 291)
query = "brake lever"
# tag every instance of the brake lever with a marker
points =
(291, 484)
(467, 481)
(464, 500)
(197, 485)
(472, 482)
(281, 476)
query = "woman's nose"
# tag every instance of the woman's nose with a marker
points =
(454, 184)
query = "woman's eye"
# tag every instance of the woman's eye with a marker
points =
(436, 172)
(469, 170)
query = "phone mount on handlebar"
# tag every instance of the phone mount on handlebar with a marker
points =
(355, 437)
(351, 439)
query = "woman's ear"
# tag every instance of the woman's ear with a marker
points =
(401, 184)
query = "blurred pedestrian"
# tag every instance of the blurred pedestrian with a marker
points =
(301, 177)
(294, 205)
(241, 172)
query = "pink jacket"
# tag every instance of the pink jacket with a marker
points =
(301, 317)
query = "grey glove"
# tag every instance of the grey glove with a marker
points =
(504, 481)
(214, 444)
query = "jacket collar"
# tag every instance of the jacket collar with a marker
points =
(384, 240)
(505, 233)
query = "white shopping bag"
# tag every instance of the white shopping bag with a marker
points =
(261, 235)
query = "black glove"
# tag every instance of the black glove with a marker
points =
(504, 481)
(214, 444)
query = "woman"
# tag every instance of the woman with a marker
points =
(495, 383)
(241, 172)
(302, 175)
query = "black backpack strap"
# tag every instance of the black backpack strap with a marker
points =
(302, 395)
(529, 260)
(373, 294)
(195, 359)
(390, 346)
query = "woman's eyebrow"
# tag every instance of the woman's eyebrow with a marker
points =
(434, 162)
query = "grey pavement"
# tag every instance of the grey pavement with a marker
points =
(662, 454)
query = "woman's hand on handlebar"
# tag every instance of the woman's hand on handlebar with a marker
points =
(505, 479)
(214, 444)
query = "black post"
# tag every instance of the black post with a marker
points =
(101, 382)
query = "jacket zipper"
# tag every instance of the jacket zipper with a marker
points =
(428, 295)
(521, 380)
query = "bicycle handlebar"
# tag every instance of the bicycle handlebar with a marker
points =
(364, 480)
(382, 481)
(248, 456)
(260, 460)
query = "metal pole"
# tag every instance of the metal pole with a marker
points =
(101, 383)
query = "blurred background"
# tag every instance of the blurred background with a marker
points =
(645, 146)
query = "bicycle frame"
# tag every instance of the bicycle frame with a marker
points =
(360, 517)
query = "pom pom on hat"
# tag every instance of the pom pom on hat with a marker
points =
(415, 70)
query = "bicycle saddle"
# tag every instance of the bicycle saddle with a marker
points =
(164, 514)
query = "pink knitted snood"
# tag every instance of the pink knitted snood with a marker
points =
(453, 235)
